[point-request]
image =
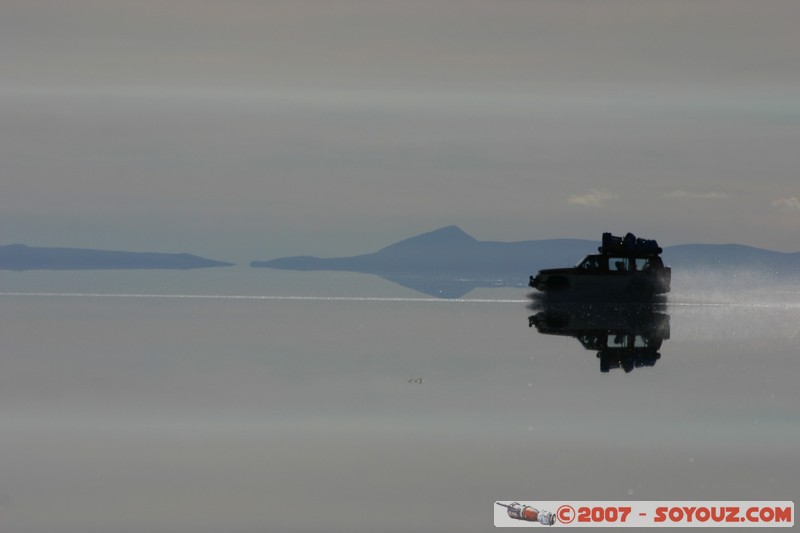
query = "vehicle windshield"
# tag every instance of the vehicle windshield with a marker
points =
(590, 262)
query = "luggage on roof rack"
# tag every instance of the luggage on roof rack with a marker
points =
(628, 245)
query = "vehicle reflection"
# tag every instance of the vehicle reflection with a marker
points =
(624, 336)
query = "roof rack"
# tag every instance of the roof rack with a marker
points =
(628, 244)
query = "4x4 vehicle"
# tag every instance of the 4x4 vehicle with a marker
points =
(624, 264)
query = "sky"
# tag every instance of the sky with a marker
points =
(249, 129)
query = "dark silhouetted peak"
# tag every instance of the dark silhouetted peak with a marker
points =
(444, 237)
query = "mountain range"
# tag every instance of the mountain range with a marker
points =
(21, 257)
(448, 262)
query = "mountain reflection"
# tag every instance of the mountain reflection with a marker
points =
(449, 287)
(624, 336)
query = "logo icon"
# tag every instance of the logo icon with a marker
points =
(529, 514)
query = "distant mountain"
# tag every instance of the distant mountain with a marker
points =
(21, 257)
(447, 251)
(732, 257)
(449, 263)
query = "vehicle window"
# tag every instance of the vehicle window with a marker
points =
(617, 264)
(617, 341)
(641, 342)
(590, 263)
(641, 264)
(620, 340)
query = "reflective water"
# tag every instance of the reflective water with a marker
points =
(247, 401)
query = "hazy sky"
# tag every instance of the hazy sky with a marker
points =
(253, 129)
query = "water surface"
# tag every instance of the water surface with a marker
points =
(247, 401)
